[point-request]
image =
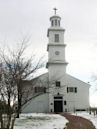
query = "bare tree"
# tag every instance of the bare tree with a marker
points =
(8, 97)
(15, 70)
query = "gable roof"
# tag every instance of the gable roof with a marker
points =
(74, 78)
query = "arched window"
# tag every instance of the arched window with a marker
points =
(52, 23)
(59, 23)
(56, 22)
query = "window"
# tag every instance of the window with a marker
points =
(58, 97)
(40, 89)
(59, 23)
(56, 37)
(72, 89)
(57, 83)
(55, 22)
(52, 23)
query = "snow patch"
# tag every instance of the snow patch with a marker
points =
(40, 121)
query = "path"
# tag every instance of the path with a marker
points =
(76, 122)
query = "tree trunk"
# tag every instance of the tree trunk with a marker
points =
(19, 99)
(13, 121)
(9, 112)
(19, 108)
(1, 120)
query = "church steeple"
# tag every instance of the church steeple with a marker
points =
(56, 47)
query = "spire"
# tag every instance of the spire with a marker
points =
(55, 9)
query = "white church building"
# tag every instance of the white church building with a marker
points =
(62, 92)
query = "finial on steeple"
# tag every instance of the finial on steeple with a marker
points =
(55, 9)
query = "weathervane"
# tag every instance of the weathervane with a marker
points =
(55, 9)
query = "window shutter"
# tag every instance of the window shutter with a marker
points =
(75, 89)
(67, 89)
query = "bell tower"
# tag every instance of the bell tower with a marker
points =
(56, 48)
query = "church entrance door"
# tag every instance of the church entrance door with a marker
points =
(58, 104)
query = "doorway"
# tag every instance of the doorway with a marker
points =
(58, 104)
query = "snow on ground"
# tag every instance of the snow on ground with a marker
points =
(91, 117)
(40, 121)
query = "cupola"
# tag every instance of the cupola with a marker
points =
(55, 20)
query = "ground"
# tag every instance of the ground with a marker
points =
(56, 121)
